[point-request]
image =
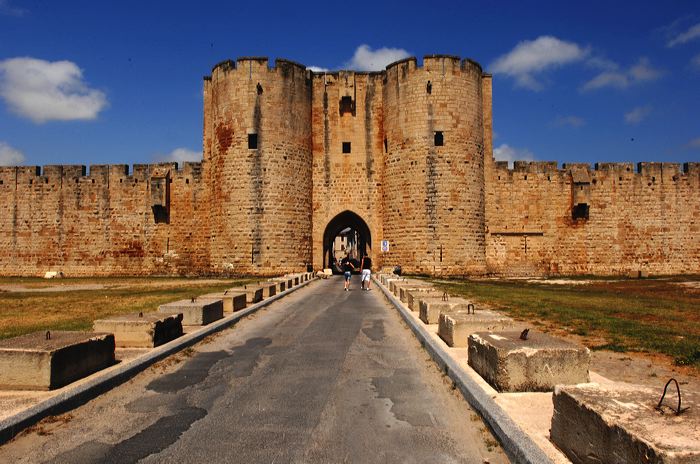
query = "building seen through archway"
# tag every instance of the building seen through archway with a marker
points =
(347, 236)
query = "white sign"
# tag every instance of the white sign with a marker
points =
(385, 246)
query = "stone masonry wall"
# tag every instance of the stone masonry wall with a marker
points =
(260, 198)
(347, 181)
(445, 209)
(639, 220)
(100, 224)
(434, 195)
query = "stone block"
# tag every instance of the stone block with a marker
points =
(141, 330)
(31, 362)
(232, 300)
(456, 326)
(430, 308)
(393, 283)
(403, 290)
(619, 424)
(414, 295)
(254, 294)
(195, 311)
(269, 288)
(406, 283)
(539, 363)
(288, 282)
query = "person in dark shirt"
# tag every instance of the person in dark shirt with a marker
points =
(347, 272)
(366, 267)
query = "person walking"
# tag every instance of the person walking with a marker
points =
(347, 272)
(366, 266)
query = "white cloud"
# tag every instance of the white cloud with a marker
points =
(692, 33)
(317, 69)
(641, 71)
(505, 152)
(534, 56)
(694, 144)
(695, 61)
(600, 62)
(180, 155)
(366, 59)
(10, 156)
(637, 114)
(9, 10)
(573, 121)
(44, 91)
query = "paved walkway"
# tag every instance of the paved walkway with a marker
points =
(321, 376)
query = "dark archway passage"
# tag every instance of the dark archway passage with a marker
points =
(343, 221)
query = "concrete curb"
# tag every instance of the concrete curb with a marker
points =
(519, 447)
(105, 381)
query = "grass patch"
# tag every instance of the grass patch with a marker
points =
(654, 315)
(25, 312)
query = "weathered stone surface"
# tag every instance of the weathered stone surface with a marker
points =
(269, 288)
(30, 362)
(403, 289)
(254, 294)
(414, 295)
(455, 327)
(197, 312)
(420, 173)
(141, 330)
(232, 300)
(593, 424)
(430, 308)
(539, 363)
(288, 282)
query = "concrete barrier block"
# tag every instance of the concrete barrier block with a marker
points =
(33, 362)
(141, 330)
(406, 283)
(403, 290)
(455, 327)
(253, 293)
(288, 282)
(269, 288)
(394, 282)
(195, 311)
(232, 301)
(539, 363)
(414, 295)
(619, 424)
(430, 308)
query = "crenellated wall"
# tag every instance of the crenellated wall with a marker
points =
(417, 170)
(643, 219)
(60, 218)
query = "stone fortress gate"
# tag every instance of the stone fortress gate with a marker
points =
(293, 157)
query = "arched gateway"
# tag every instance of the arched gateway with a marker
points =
(350, 222)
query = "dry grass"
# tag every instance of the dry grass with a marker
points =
(24, 312)
(652, 315)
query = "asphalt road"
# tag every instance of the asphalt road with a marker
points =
(322, 376)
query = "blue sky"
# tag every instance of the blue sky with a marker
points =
(85, 82)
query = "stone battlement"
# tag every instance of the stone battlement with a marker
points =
(292, 157)
(97, 174)
(672, 171)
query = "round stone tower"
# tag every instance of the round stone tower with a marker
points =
(434, 166)
(257, 160)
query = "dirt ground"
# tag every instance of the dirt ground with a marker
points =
(643, 367)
